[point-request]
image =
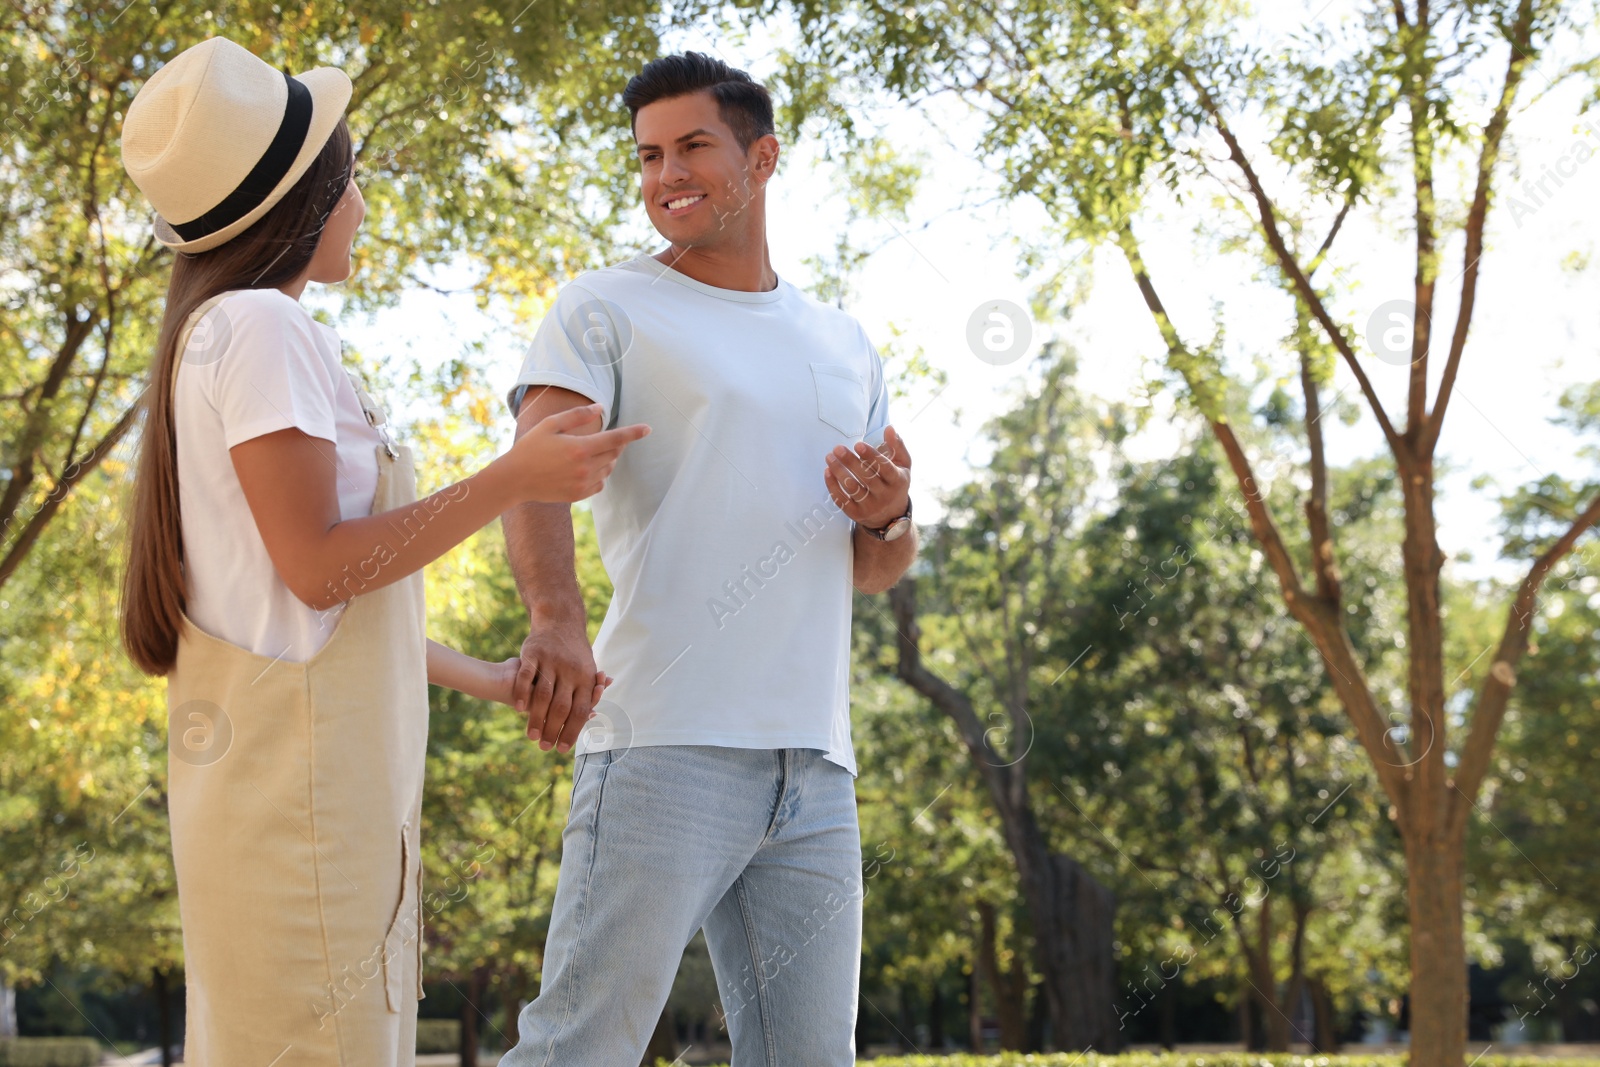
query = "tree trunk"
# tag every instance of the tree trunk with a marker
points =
(936, 1018)
(1325, 1028)
(513, 984)
(1277, 1029)
(1072, 914)
(1072, 923)
(974, 1010)
(1014, 988)
(468, 1047)
(158, 981)
(1167, 1015)
(1038, 1024)
(663, 1042)
(1009, 1008)
(1274, 1027)
(1438, 954)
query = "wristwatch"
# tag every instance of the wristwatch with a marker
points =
(895, 528)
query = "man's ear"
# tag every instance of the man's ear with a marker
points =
(764, 153)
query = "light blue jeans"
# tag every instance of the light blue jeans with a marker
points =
(761, 848)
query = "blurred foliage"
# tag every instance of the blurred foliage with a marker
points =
(85, 873)
(1183, 738)
(486, 132)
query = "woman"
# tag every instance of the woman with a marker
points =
(274, 576)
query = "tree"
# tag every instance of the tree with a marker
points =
(941, 892)
(1193, 749)
(1097, 107)
(475, 124)
(86, 880)
(1003, 576)
(1540, 798)
(1224, 778)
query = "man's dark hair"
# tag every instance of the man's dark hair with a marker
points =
(744, 103)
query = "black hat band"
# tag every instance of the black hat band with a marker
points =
(265, 175)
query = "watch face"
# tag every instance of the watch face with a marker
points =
(896, 528)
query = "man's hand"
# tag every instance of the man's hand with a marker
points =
(500, 683)
(872, 486)
(556, 682)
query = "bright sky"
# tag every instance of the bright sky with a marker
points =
(1534, 331)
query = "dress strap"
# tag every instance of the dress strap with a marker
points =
(203, 337)
(371, 408)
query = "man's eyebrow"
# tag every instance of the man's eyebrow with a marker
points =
(697, 132)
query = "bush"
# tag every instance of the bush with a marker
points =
(1201, 1059)
(49, 1052)
(1194, 1059)
(438, 1035)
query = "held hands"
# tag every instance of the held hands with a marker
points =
(551, 682)
(870, 485)
(501, 687)
(564, 457)
(501, 682)
(486, 680)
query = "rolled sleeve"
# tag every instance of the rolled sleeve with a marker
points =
(579, 346)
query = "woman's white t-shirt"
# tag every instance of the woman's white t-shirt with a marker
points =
(255, 363)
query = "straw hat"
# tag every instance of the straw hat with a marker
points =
(217, 136)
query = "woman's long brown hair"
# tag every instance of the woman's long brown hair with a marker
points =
(274, 250)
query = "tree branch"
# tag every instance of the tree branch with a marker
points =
(1322, 623)
(1261, 522)
(946, 697)
(1477, 215)
(1415, 43)
(1323, 563)
(95, 383)
(1333, 231)
(71, 476)
(1287, 262)
(32, 434)
(1502, 677)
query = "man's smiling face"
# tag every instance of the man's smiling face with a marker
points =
(700, 188)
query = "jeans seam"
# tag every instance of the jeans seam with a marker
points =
(583, 915)
(777, 805)
(763, 1011)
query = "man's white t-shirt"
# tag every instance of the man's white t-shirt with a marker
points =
(255, 363)
(730, 620)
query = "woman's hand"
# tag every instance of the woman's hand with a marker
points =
(565, 457)
(485, 680)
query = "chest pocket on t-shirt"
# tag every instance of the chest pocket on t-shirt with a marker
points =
(841, 398)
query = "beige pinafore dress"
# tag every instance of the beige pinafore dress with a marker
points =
(295, 793)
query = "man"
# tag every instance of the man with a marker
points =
(715, 786)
